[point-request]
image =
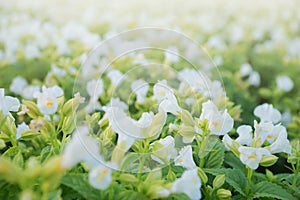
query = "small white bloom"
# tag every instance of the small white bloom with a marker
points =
(32, 51)
(164, 150)
(281, 144)
(227, 141)
(18, 84)
(254, 79)
(245, 69)
(245, 136)
(81, 148)
(220, 124)
(173, 127)
(47, 99)
(267, 113)
(8, 103)
(28, 92)
(185, 158)
(171, 54)
(208, 108)
(129, 129)
(263, 130)
(189, 183)
(58, 71)
(116, 77)
(160, 90)
(100, 177)
(251, 156)
(284, 83)
(95, 88)
(140, 88)
(21, 129)
(170, 104)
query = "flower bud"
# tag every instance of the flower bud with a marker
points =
(219, 181)
(171, 176)
(187, 118)
(2, 144)
(202, 175)
(68, 124)
(267, 161)
(186, 131)
(128, 178)
(33, 110)
(223, 194)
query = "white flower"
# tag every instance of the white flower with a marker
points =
(47, 99)
(185, 158)
(8, 103)
(114, 102)
(92, 105)
(189, 183)
(58, 71)
(160, 90)
(263, 130)
(281, 144)
(32, 51)
(163, 150)
(227, 141)
(245, 136)
(254, 79)
(129, 129)
(28, 92)
(116, 77)
(18, 84)
(171, 54)
(220, 123)
(245, 69)
(100, 177)
(208, 108)
(170, 104)
(21, 129)
(95, 88)
(140, 88)
(267, 113)
(251, 156)
(81, 148)
(284, 83)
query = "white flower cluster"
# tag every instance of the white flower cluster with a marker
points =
(269, 137)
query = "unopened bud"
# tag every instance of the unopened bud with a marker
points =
(202, 175)
(267, 161)
(128, 178)
(33, 110)
(224, 194)
(219, 181)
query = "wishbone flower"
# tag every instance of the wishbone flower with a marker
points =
(185, 158)
(47, 99)
(8, 103)
(189, 183)
(251, 156)
(267, 113)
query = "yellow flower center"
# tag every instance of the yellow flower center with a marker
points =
(100, 178)
(160, 94)
(269, 136)
(180, 160)
(104, 171)
(48, 104)
(251, 156)
(217, 125)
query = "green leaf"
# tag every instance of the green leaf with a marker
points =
(234, 162)
(216, 156)
(56, 195)
(12, 151)
(267, 189)
(80, 184)
(131, 195)
(233, 177)
(130, 162)
(29, 135)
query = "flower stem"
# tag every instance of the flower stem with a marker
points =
(249, 176)
(296, 172)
